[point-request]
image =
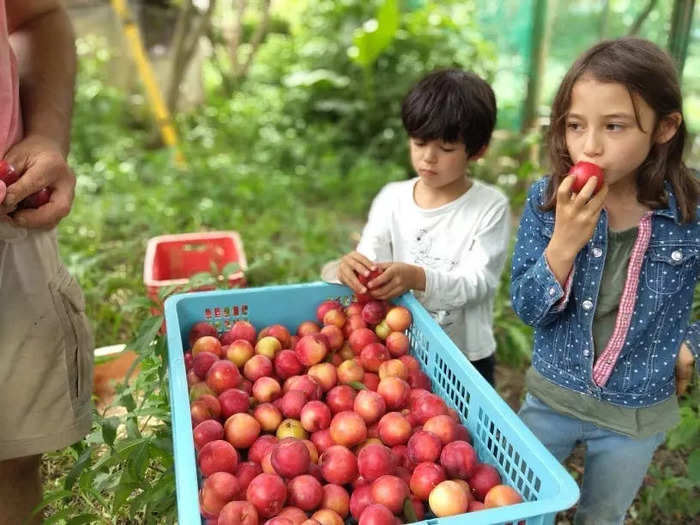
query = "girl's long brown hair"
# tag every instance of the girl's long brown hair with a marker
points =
(644, 69)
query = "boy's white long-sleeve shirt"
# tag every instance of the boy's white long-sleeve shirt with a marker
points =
(461, 246)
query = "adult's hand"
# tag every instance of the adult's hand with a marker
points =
(42, 165)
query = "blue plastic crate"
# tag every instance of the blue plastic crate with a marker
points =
(499, 437)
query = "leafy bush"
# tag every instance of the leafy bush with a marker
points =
(671, 493)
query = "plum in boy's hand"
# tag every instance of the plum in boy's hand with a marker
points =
(396, 279)
(353, 265)
(582, 171)
(364, 280)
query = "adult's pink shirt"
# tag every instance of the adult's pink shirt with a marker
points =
(10, 114)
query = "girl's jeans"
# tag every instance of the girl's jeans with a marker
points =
(615, 464)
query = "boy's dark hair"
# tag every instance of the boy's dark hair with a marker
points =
(451, 105)
(647, 71)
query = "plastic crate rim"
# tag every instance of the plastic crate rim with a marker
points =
(152, 245)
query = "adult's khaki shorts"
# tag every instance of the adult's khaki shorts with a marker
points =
(46, 348)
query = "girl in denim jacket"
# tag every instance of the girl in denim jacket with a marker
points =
(607, 278)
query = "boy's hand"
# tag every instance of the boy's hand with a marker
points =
(351, 265)
(684, 369)
(575, 221)
(396, 279)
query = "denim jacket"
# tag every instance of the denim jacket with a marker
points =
(637, 368)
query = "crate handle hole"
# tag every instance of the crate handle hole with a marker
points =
(193, 247)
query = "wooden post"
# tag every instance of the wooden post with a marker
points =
(678, 39)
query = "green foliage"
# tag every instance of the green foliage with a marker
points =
(123, 471)
(342, 74)
(376, 35)
(672, 493)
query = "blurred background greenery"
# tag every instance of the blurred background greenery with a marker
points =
(290, 149)
(287, 114)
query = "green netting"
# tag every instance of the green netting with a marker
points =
(509, 24)
(575, 26)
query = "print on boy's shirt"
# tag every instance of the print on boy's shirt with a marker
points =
(446, 319)
(425, 254)
(422, 256)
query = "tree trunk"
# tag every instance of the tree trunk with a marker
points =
(191, 25)
(178, 65)
(237, 35)
(221, 63)
(604, 17)
(539, 43)
(637, 24)
(678, 39)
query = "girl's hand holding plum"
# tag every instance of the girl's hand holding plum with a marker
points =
(575, 220)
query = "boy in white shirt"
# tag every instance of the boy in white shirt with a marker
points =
(441, 234)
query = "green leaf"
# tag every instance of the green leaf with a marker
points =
(200, 280)
(109, 429)
(357, 385)
(165, 291)
(105, 482)
(78, 467)
(158, 491)
(694, 466)
(136, 304)
(132, 429)
(409, 512)
(86, 481)
(52, 497)
(685, 434)
(122, 493)
(127, 401)
(83, 518)
(376, 35)
(147, 333)
(138, 460)
(58, 516)
(308, 79)
(519, 338)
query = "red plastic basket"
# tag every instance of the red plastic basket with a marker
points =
(173, 259)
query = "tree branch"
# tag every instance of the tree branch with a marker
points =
(186, 40)
(256, 39)
(637, 24)
(237, 35)
(182, 27)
